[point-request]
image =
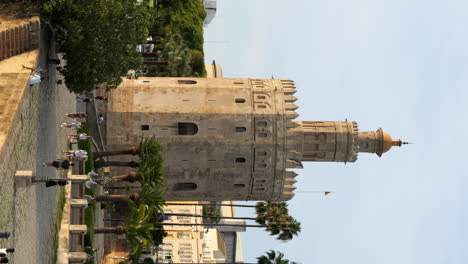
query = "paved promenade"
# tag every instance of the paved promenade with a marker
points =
(35, 137)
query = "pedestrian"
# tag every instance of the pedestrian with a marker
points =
(101, 98)
(77, 115)
(77, 154)
(75, 124)
(82, 136)
(59, 164)
(5, 251)
(100, 118)
(54, 182)
(81, 99)
(36, 75)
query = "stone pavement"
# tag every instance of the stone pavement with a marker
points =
(30, 214)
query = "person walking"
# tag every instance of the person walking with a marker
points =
(83, 99)
(5, 251)
(59, 164)
(82, 136)
(77, 154)
(77, 115)
(101, 98)
(75, 125)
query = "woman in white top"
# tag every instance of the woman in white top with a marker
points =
(77, 154)
(5, 251)
(82, 136)
(75, 124)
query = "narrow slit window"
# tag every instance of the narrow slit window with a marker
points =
(144, 127)
(261, 106)
(186, 82)
(240, 160)
(185, 186)
(240, 101)
(238, 83)
(241, 129)
(146, 81)
(239, 185)
(261, 97)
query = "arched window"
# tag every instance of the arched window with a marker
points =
(241, 129)
(186, 82)
(240, 160)
(240, 100)
(239, 185)
(185, 186)
(187, 129)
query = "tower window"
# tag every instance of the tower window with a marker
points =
(261, 106)
(262, 123)
(238, 83)
(187, 129)
(240, 160)
(261, 97)
(144, 127)
(241, 129)
(186, 82)
(239, 185)
(185, 186)
(240, 100)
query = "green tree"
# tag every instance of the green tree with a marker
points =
(137, 229)
(273, 257)
(175, 52)
(98, 38)
(273, 216)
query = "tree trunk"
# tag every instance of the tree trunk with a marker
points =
(216, 217)
(118, 197)
(130, 177)
(230, 205)
(102, 163)
(193, 215)
(154, 42)
(207, 225)
(110, 230)
(150, 54)
(128, 151)
(156, 62)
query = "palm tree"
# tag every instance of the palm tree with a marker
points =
(274, 216)
(138, 230)
(148, 196)
(271, 257)
(147, 146)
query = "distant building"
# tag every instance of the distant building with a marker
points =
(197, 244)
(210, 8)
(213, 70)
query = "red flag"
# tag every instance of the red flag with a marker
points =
(327, 193)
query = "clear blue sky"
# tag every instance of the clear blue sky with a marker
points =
(397, 64)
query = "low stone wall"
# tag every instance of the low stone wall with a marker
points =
(14, 87)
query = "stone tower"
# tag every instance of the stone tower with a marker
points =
(230, 139)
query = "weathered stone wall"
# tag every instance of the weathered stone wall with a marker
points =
(238, 151)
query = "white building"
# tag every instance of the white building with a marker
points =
(210, 8)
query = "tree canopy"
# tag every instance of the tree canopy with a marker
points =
(98, 38)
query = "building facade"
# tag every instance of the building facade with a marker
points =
(230, 139)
